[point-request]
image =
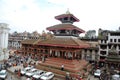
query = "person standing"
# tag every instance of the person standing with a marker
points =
(62, 67)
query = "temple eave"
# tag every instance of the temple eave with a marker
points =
(52, 29)
(66, 46)
(64, 15)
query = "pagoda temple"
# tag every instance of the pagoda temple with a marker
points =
(63, 49)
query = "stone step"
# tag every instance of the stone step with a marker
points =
(64, 61)
(61, 60)
(71, 65)
(59, 67)
(59, 64)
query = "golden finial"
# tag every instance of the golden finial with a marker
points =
(68, 12)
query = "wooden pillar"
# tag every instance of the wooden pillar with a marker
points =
(53, 53)
(50, 53)
(66, 54)
(61, 54)
(73, 55)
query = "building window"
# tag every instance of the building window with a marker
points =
(110, 40)
(101, 41)
(105, 41)
(118, 40)
(109, 46)
(119, 47)
(114, 40)
(103, 52)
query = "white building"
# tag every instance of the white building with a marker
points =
(4, 30)
(107, 44)
(15, 39)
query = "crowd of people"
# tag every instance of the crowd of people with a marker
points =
(17, 60)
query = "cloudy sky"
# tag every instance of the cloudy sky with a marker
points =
(36, 15)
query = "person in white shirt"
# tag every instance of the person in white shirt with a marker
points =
(62, 67)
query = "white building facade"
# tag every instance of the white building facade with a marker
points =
(4, 31)
(15, 39)
(108, 44)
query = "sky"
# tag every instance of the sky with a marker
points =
(37, 15)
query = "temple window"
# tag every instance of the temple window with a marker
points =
(67, 32)
(46, 51)
(71, 18)
(41, 51)
(57, 32)
(34, 50)
(85, 50)
(62, 31)
(66, 18)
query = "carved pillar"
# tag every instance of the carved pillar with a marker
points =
(63, 54)
(66, 54)
(50, 53)
(83, 54)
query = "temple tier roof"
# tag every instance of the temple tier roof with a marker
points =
(67, 15)
(64, 42)
(31, 41)
(65, 26)
(58, 42)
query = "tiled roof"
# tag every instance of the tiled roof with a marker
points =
(66, 15)
(64, 26)
(64, 42)
(32, 41)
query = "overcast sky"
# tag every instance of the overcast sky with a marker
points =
(36, 15)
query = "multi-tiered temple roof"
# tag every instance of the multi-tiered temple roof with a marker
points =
(66, 34)
(64, 45)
